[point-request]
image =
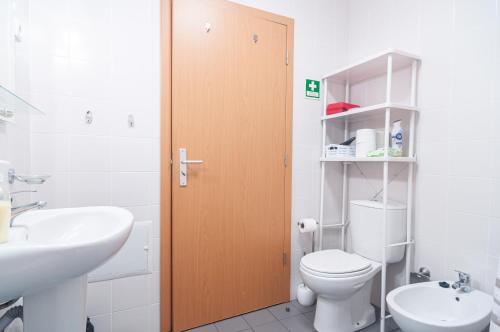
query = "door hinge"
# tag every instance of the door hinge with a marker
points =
(286, 59)
(285, 258)
(285, 160)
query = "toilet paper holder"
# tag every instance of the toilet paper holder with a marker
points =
(313, 235)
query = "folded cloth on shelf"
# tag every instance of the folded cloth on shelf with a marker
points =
(381, 152)
(495, 312)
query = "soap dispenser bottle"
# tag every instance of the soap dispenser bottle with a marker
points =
(4, 214)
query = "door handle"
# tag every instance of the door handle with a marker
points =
(183, 162)
(187, 162)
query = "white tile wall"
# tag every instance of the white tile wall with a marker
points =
(456, 190)
(101, 56)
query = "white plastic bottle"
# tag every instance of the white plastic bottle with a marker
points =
(397, 139)
(4, 215)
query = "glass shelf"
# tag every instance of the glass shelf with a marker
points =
(10, 103)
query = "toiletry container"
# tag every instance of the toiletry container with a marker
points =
(397, 138)
(366, 141)
(4, 202)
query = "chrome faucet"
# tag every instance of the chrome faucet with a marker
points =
(464, 282)
(18, 210)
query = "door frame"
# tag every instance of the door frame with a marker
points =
(166, 150)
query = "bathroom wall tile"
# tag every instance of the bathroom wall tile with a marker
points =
(90, 26)
(132, 320)
(49, 153)
(156, 254)
(55, 119)
(433, 158)
(154, 316)
(46, 34)
(155, 217)
(461, 164)
(90, 153)
(470, 195)
(55, 191)
(91, 79)
(467, 233)
(493, 237)
(155, 287)
(473, 39)
(50, 74)
(156, 151)
(99, 298)
(131, 292)
(495, 119)
(430, 128)
(495, 198)
(495, 159)
(436, 29)
(154, 186)
(132, 154)
(130, 189)
(490, 274)
(463, 126)
(140, 213)
(88, 189)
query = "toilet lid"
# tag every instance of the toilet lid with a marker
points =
(335, 262)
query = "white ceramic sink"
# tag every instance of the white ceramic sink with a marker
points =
(427, 307)
(49, 255)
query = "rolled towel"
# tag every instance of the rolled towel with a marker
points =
(495, 312)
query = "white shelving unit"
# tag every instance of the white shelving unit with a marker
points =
(384, 63)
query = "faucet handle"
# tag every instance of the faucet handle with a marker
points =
(463, 276)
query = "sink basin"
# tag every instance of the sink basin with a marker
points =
(427, 307)
(49, 254)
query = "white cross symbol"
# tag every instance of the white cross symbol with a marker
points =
(312, 86)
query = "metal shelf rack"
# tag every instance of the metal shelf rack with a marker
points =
(384, 63)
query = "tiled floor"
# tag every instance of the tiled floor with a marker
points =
(281, 318)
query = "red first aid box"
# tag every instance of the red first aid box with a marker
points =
(339, 107)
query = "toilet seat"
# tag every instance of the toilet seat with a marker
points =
(335, 264)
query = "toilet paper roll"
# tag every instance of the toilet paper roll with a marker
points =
(307, 225)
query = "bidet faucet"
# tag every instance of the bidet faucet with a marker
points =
(464, 282)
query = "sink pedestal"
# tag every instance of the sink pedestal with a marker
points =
(58, 309)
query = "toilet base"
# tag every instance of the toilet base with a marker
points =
(336, 316)
(333, 315)
(367, 320)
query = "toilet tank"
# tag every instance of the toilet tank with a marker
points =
(366, 226)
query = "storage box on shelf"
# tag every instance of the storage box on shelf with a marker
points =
(382, 64)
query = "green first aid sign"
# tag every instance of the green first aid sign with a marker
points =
(312, 89)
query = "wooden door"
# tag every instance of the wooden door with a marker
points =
(230, 108)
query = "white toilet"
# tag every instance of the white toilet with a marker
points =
(343, 281)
